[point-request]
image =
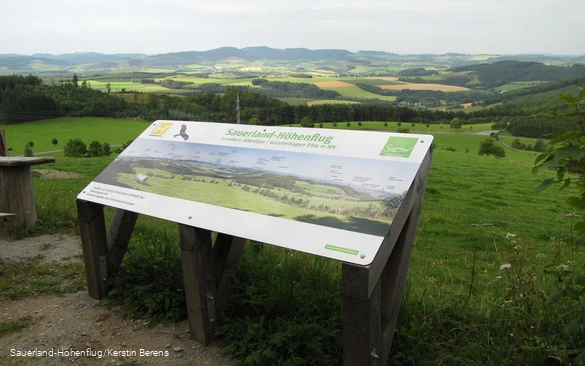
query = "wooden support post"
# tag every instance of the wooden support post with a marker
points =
(393, 280)
(3, 147)
(362, 322)
(227, 253)
(92, 227)
(372, 294)
(197, 257)
(119, 234)
(208, 274)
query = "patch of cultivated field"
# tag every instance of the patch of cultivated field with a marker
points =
(331, 84)
(117, 86)
(411, 86)
(330, 101)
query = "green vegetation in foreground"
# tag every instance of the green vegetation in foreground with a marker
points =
(12, 326)
(459, 306)
(111, 130)
(31, 277)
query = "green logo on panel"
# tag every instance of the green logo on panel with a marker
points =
(341, 249)
(399, 146)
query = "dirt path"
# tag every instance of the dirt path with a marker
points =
(77, 323)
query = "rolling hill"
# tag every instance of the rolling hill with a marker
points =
(499, 73)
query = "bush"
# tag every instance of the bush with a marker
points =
(54, 141)
(27, 151)
(75, 148)
(539, 146)
(489, 147)
(95, 149)
(107, 149)
(403, 130)
(307, 122)
(516, 144)
(31, 144)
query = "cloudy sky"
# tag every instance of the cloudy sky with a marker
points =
(400, 26)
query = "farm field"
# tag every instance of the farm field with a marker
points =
(117, 86)
(516, 85)
(330, 101)
(411, 86)
(479, 215)
(296, 101)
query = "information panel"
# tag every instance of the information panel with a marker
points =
(328, 192)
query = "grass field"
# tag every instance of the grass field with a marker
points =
(516, 85)
(117, 86)
(111, 130)
(296, 101)
(480, 214)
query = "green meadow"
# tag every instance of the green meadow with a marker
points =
(118, 86)
(488, 254)
(111, 130)
(515, 85)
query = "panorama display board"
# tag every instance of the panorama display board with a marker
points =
(328, 192)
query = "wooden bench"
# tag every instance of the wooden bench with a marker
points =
(16, 191)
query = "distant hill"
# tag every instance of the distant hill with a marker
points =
(499, 73)
(27, 62)
(292, 60)
(545, 59)
(247, 54)
(89, 57)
